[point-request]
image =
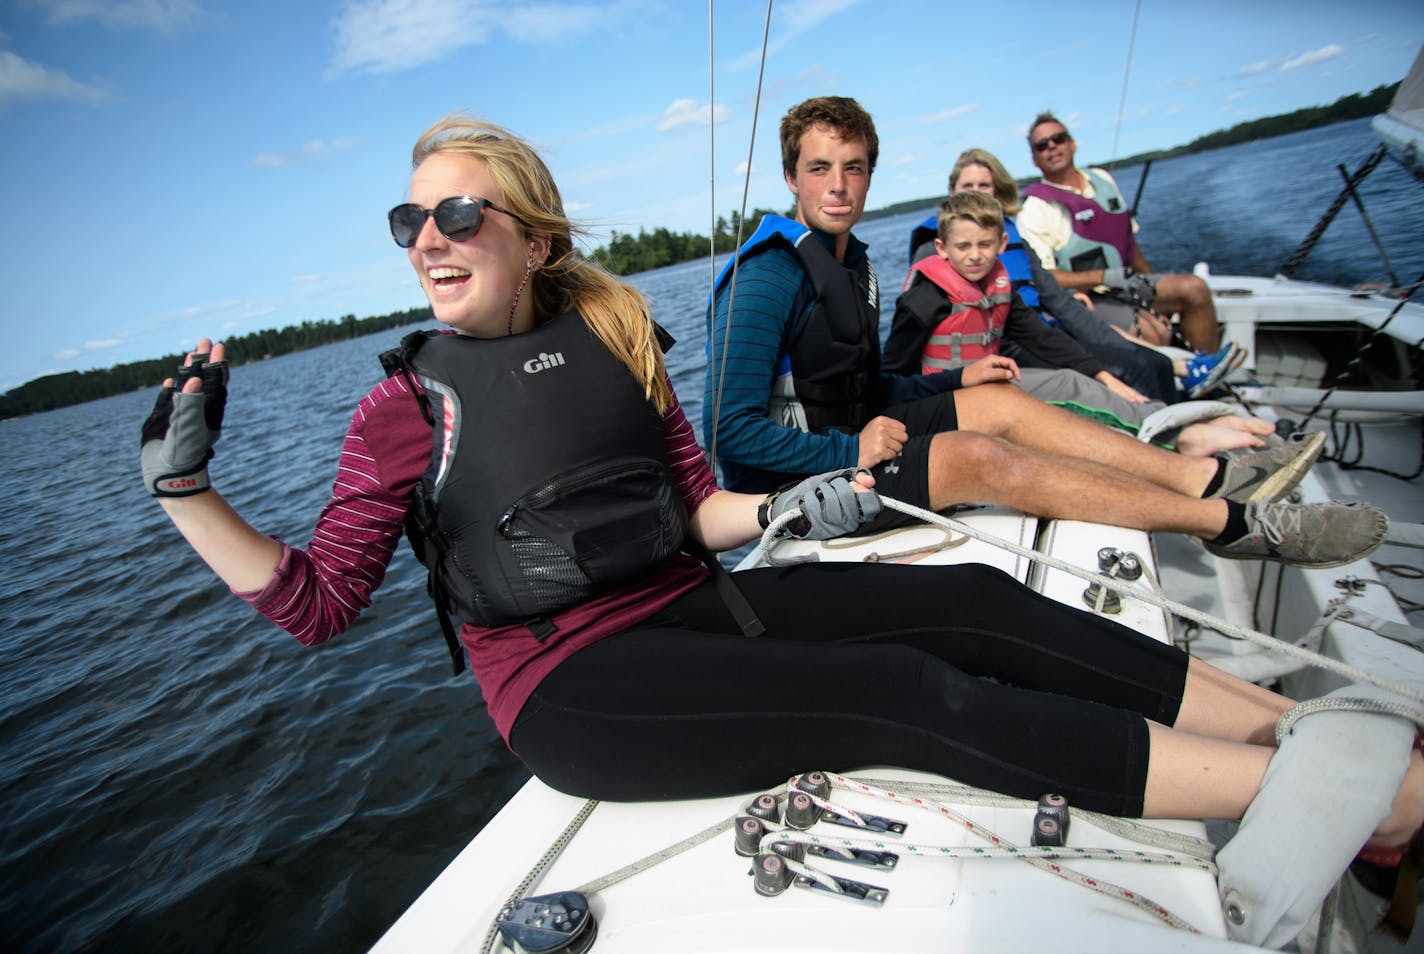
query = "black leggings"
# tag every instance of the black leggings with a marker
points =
(957, 670)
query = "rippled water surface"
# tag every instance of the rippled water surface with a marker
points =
(178, 775)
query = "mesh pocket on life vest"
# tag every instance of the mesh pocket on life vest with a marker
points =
(587, 529)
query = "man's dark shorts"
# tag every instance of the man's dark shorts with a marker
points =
(907, 476)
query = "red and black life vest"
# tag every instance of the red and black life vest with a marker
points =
(978, 312)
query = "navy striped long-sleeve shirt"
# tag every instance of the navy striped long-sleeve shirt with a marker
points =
(742, 365)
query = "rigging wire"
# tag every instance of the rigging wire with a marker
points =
(1126, 74)
(711, 150)
(732, 281)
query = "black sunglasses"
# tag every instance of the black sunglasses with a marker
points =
(458, 218)
(1057, 139)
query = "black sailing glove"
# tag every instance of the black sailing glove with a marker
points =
(1135, 285)
(829, 505)
(177, 438)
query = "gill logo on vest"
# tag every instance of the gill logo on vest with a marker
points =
(544, 362)
(1084, 216)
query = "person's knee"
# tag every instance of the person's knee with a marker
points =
(987, 406)
(1184, 291)
(973, 461)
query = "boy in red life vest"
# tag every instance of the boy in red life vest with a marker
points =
(958, 304)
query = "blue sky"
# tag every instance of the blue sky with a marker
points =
(175, 168)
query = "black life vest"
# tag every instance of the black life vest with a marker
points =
(831, 351)
(548, 479)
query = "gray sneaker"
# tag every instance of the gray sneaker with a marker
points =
(1271, 472)
(1307, 535)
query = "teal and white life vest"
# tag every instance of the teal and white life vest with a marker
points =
(1102, 225)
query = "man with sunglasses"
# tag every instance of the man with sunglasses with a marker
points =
(1079, 222)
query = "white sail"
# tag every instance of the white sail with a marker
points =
(1401, 127)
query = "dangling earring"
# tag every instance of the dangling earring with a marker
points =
(528, 270)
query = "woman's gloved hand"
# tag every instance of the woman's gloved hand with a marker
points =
(831, 504)
(177, 438)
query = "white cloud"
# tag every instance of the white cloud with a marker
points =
(1313, 57)
(312, 150)
(954, 112)
(550, 22)
(164, 16)
(687, 112)
(22, 80)
(1253, 69)
(387, 36)
(102, 344)
(67, 354)
(1185, 83)
(791, 20)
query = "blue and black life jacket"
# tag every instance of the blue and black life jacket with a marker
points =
(830, 352)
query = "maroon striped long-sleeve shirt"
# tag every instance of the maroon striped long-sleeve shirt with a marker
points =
(316, 592)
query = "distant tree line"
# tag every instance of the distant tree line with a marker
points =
(1352, 106)
(627, 254)
(76, 387)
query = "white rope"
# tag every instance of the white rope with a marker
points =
(771, 537)
(1029, 855)
(1346, 704)
(1127, 828)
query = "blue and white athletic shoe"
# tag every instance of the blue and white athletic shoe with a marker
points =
(1205, 371)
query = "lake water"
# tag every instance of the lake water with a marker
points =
(178, 775)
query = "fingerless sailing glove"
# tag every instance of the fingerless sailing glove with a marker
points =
(1137, 286)
(829, 505)
(177, 438)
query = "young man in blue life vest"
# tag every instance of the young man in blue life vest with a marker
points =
(959, 304)
(794, 387)
(1080, 226)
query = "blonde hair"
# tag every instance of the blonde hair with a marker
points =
(977, 207)
(616, 312)
(1006, 190)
